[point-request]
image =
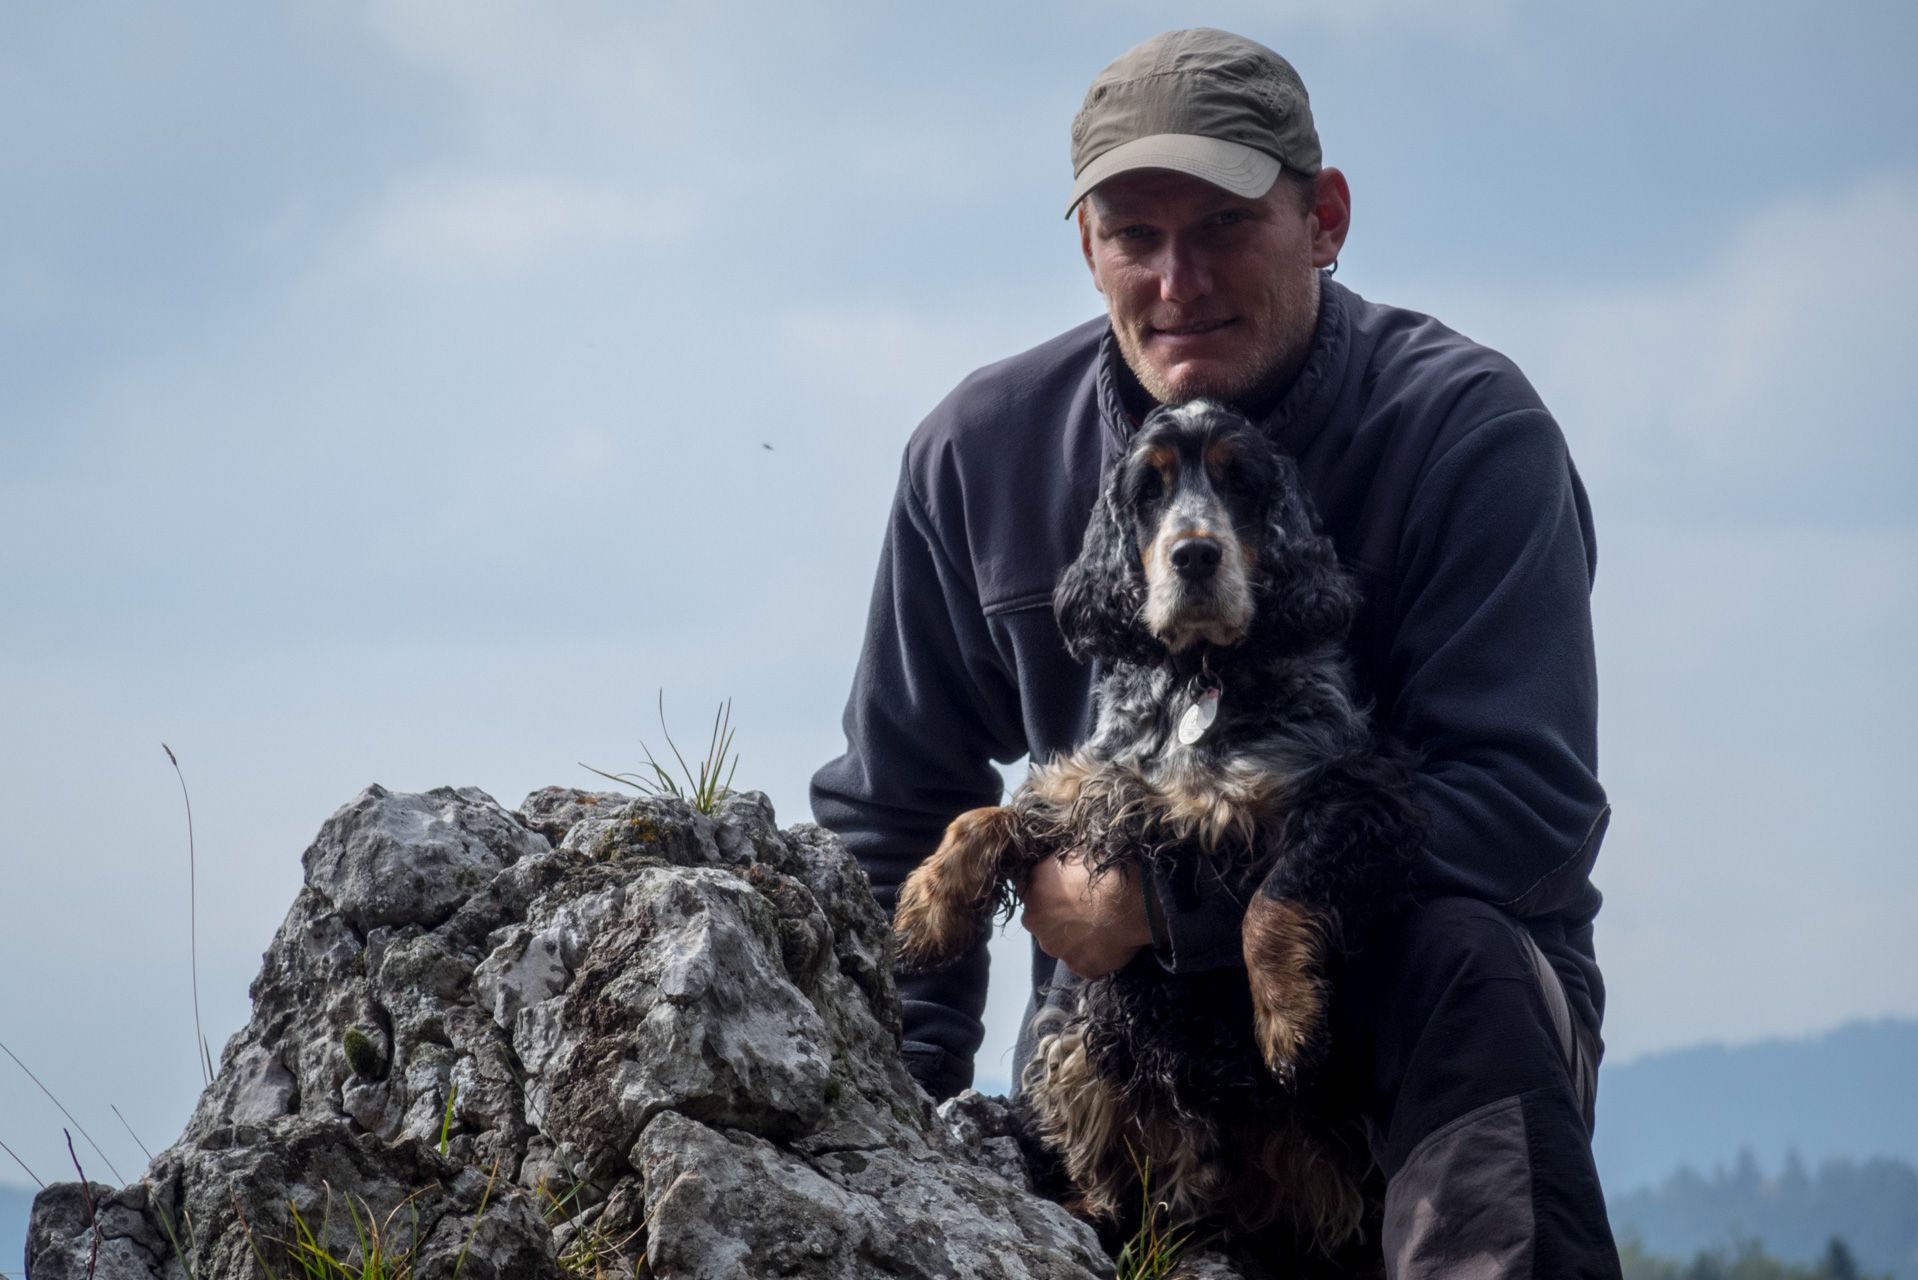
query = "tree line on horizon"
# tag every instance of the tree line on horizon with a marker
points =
(1739, 1224)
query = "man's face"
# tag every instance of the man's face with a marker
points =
(1210, 294)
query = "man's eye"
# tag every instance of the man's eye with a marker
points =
(1230, 218)
(1134, 233)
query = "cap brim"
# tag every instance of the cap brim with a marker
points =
(1242, 170)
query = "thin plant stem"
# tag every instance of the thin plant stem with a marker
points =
(192, 920)
(671, 745)
(247, 1227)
(1154, 1251)
(173, 1239)
(131, 1134)
(23, 1164)
(93, 1216)
(63, 1111)
(477, 1215)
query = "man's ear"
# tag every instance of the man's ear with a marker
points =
(1331, 214)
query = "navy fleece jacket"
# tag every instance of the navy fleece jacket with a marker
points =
(1447, 488)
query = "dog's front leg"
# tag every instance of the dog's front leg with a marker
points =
(946, 904)
(1285, 946)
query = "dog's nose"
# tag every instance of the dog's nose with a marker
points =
(1196, 558)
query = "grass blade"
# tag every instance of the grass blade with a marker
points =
(192, 917)
(63, 1111)
(706, 786)
(131, 1134)
(477, 1215)
(173, 1239)
(23, 1165)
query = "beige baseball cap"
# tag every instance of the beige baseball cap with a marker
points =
(1217, 106)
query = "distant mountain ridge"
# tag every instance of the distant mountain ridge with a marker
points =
(1846, 1094)
(15, 1202)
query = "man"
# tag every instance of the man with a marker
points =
(1467, 1027)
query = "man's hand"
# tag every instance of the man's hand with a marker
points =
(1092, 926)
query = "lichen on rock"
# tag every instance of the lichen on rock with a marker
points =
(652, 1037)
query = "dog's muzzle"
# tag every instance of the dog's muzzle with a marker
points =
(1196, 558)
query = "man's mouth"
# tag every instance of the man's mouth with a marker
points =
(1197, 329)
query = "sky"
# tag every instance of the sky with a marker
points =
(412, 392)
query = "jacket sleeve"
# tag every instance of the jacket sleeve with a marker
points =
(1496, 687)
(931, 707)
(1495, 671)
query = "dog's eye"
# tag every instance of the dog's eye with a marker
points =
(1151, 486)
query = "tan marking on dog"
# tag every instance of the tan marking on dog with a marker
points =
(1305, 1183)
(946, 903)
(1165, 461)
(1104, 1140)
(1218, 455)
(1219, 809)
(1285, 960)
(1059, 782)
(1256, 1174)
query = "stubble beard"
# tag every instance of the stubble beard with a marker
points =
(1291, 316)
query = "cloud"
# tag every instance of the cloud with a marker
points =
(509, 49)
(1775, 384)
(456, 226)
(1343, 15)
(656, 77)
(899, 361)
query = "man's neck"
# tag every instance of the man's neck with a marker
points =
(1256, 404)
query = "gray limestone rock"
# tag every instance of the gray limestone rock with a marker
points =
(595, 1033)
(979, 1128)
(1208, 1265)
(553, 811)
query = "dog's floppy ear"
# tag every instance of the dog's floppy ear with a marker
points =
(1101, 594)
(1305, 597)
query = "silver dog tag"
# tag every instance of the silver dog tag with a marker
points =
(1199, 717)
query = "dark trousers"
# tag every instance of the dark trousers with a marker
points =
(1476, 1080)
(1453, 1038)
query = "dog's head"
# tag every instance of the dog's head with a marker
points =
(1203, 534)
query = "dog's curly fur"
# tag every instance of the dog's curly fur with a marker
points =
(1202, 567)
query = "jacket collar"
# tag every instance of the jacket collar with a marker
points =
(1307, 404)
(1113, 415)
(1302, 410)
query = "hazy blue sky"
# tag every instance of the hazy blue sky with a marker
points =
(384, 387)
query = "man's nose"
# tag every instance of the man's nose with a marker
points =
(1183, 275)
(1196, 558)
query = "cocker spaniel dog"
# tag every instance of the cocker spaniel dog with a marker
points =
(1230, 744)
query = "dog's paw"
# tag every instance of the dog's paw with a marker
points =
(928, 929)
(945, 906)
(1285, 962)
